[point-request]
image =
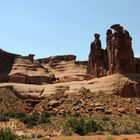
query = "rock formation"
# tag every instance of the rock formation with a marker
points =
(26, 70)
(124, 57)
(137, 63)
(6, 62)
(65, 67)
(58, 58)
(96, 63)
(23, 69)
(117, 57)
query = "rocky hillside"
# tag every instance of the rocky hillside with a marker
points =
(24, 69)
(78, 95)
(59, 86)
(112, 100)
(60, 79)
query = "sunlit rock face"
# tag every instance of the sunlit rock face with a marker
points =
(117, 57)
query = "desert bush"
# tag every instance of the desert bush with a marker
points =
(92, 126)
(83, 126)
(77, 114)
(130, 131)
(67, 131)
(113, 124)
(10, 114)
(115, 132)
(136, 126)
(35, 119)
(4, 118)
(44, 117)
(30, 120)
(78, 125)
(106, 118)
(16, 115)
(7, 134)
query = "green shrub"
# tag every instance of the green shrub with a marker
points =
(3, 118)
(77, 114)
(82, 126)
(7, 134)
(44, 117)
(106, 118)
(92, 126)
(20, 115)
(115, 132)
(30, 120)
(10, 114)
(78, 125)
(16, 115)
(67, 131)
(130, 131)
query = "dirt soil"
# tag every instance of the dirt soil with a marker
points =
(99, 137)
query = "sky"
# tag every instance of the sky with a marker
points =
(58, 27)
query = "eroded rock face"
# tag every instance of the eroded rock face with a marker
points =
(137, 62)
(58, 58)
(96, 62)
(9, 102)
(6, 62)
(65, 71)
(27, 71)
(121, 44)
(23, 69)
(117, 57)
(129, 89)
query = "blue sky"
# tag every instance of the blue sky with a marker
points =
(54, 27)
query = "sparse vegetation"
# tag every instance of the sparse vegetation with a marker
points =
(106, 118)
(78, 125)
(16, 115)
(44, 117)
(30, 120)
(83, 126)
(77, 114)
(4, 118)
(67, 131)
(125, 139)
(35, 119)
(7, 134)
(130, 131)
(115, 132)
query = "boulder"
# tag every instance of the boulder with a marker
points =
(138, 110)
(53, 103)
(100, 108)
(108, 112)
(121, 110)
(129, 89)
